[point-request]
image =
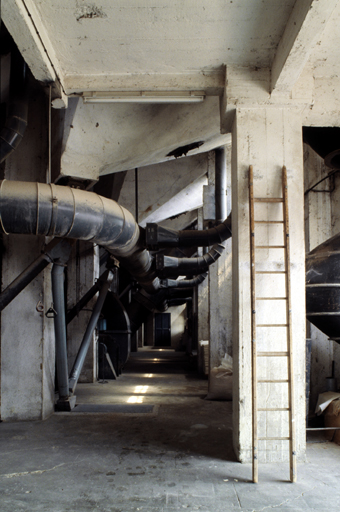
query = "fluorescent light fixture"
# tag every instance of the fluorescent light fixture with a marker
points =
(144, 97)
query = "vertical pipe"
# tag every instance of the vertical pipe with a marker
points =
(60, 329)
(220, 184)
(79, 362)
(136, 194)
(49, 167)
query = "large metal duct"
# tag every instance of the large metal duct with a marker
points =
(52, 210)
(158, 236)
(323, 287)
(183, 283)
(169, 265)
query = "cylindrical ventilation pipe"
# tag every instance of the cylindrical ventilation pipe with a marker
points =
(183, 283)
(157, 236)
(220, 184)
(169, 265)
(52, 210)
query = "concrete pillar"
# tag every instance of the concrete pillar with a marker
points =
(82, 270)
(27, 336)
(267, 138)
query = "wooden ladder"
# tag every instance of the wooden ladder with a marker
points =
(286, 355)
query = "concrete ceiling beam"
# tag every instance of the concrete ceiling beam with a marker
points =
(30, 36)
(182, 221)
(303, 31)
(211, 82)
(190, 198)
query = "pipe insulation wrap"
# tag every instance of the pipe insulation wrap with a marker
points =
(54, 210)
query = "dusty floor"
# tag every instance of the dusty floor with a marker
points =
(176, 457)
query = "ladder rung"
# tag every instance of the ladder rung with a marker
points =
(274, 438)
(271, 272)
(272, 354)
(268, 200)
(270, 246)
(272, 409)
(268, 221)
(271, 325)
(271, 298)
(273, 381)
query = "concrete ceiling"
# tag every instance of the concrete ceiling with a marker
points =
(96, 45)
(152, 44)
(157, 45)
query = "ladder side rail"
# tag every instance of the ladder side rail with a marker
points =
(253, 327)
(292, 419)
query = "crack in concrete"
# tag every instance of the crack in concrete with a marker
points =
(238, 499)
(283, 502)
(36, 472)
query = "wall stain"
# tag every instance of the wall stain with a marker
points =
(89, 12)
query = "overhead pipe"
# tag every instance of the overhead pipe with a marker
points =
(170, 265)
(158, 236)
(16, 122)
(52, 210)
(183, 283)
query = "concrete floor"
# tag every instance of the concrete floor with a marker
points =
(176, 457)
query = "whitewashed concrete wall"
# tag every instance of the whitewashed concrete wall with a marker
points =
(267, 138)
(27, 337)
(178, 322)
